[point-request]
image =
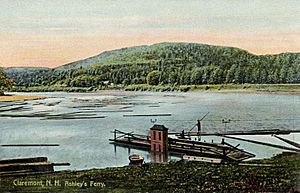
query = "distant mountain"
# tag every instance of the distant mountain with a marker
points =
(145, 53)
(169, 63)
(104, 57)
(25, 69)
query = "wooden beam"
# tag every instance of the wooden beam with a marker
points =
(288, 141)
(263, 143)
(250, 132)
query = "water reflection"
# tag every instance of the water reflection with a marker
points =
(157, 157)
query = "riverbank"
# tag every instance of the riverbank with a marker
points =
(223, 88)
(13, 98)
(278, 174)
(229, 88)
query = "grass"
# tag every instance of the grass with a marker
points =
(280, 174)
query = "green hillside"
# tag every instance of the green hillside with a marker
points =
(176, 64)
(27, 76)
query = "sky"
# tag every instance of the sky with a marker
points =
(51, 33)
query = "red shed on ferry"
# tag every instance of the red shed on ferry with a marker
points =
(159, 138)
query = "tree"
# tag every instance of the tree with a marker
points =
(185, 78)
(172, 78)
(238, 77)
(168, 63)
(4, 82)
(230, 75)
(196, 77)
(153, 78)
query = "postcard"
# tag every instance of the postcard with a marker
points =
(149, 96)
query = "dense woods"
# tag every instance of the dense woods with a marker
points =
(172, 64)
(28, 76)
(5, 83)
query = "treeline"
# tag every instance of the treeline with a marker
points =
(180, 64)
(27, 76)
(5, 83)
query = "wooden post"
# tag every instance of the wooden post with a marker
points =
(199, 130)
(182, 134)
(223, 149)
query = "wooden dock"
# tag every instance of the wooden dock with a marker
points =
(221, 150)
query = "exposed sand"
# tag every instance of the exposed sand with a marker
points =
(12, 98)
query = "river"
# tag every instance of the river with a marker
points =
(81, 123)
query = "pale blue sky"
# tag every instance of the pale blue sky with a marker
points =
(94, 16)
(142, 19)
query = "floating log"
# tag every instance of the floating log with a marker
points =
(29, 145)
(32, 164)
(24, 160)
(19, 116)
(72, 117)
(106, 111)
(154, 106)
(148, 115)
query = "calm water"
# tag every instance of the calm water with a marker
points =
(84, 140)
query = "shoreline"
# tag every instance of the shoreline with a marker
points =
(292, 89)
(277, 174)
(14, 98)
(294, 92)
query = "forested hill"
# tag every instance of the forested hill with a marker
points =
(104, 57)
(176, 64)
(26, 75)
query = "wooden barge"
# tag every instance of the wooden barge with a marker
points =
(159, 141)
